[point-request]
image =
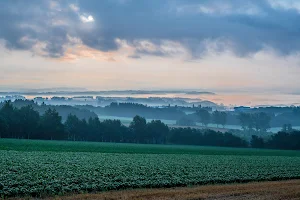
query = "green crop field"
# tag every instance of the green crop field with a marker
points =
(37, 168)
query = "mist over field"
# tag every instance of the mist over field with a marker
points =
(157, 98)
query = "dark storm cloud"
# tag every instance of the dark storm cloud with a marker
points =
(241, 26)
(24, 22)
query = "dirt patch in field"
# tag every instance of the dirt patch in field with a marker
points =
(277, 190)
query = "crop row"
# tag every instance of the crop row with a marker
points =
(50, 173)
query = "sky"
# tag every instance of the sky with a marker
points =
(211, 45)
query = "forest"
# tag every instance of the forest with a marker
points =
(27, 123)
(63, 110)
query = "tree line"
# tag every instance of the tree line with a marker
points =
(289, 140)
(204, 117)
(27, 123)
(133, 109)
(259, 122)
(254, 119)
(63, 110)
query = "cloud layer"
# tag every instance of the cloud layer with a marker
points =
(158, 28)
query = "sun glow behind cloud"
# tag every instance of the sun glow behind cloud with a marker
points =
(86, 18)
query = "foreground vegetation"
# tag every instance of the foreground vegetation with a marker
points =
(55, 167)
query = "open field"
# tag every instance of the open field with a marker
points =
(43, 168)
(102, 147)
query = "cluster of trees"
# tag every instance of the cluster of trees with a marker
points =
(27, 123)
(278, 115)
(205, 117)
(217, 117)
(63, 110)
(189, 136)
(281, 140)
(139, 131)
(255, 121)
(133, 109)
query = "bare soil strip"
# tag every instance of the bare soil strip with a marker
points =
(273, 190)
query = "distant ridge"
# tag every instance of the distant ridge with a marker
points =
(80, 91)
